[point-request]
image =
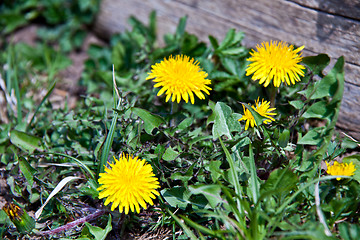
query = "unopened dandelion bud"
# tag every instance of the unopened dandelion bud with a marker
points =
(23, 222)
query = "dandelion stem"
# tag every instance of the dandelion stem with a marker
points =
(174, 109)
(74, 223)
(273, 91)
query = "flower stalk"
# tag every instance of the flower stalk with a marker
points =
(73, 224)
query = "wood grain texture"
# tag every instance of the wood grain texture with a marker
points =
(345, 8)
(330, 27)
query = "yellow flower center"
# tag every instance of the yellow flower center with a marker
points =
(341, 169)
(180, 78)
(128, 183)
(263, 109)
(275, 61)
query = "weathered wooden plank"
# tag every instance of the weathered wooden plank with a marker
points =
(288, 21)
(349, 112)
(346, 8)
(322, 26)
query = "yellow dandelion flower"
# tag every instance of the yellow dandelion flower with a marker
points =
(263, 109)
(341, 169)
(275, 61)
(127, 183)
(180, 78)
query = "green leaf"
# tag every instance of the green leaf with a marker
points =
(99, 233)
(230, 65)
(27, 170)
(176, 196)
(184, 124)
(90, 188)
(159, 150)
(184, 177)
(322, 110)
(199, 139)
(211, 192)
(284, 138)
(239, 51)
(26, 141)
(356, 160)
(317, 63)
(239, 36)
(225, 121)
(151, 120)
(191, 46)
(297, 104)
(180, 30)
(14, 187)
(349, 231)
(170, 154)
(328, 86)
(312, 137)
(118, 55)
(231, 44)
(212, 117)
(280, 182)
(349, 142)
(152, 26)
(214, 168)
(13, 20)
(214, 42)
(230, 35)
(220, 75)
(315, 232)
(4, 132)
(336, 73)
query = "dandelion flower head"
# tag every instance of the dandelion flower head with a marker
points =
(129, 183)
(179, 78)
(277, 62)
(340, 169)
(263, 109)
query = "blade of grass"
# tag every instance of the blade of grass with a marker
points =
(233, 206)
(254, 183)
(200, 228)
(237, 228)
(279, 212)
(110, 136)
(57, 189)
(319, 212)
(187, 230)
(235, 177)
(41, 103)
(77, 161)
(108, 142)
(12, 74)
